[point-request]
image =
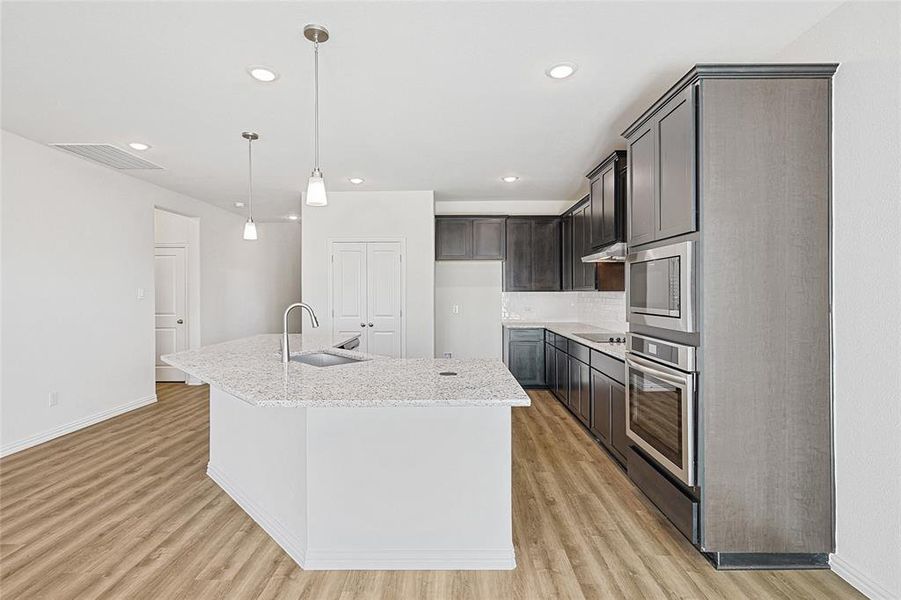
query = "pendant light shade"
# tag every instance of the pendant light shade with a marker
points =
(316, 185)
(316, 190)
(250, 228)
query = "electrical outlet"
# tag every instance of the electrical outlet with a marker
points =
(448, 355)
(456, 309)
(53, 399)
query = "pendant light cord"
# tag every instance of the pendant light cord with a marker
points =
(316, 105)
(250, 178)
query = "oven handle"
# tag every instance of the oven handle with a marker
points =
(649, 367)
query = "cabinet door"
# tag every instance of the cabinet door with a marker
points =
(609, 223)
(550, 367)
(600, 406)
(567, 251)
(518, 266)
(526, 362)
(618, 438)
(588, 269)
(675, 173)
(546, 254)
(596, 212)
(578, 244)
(488, 239)
(562, 376)
(583, 273)
(642, 214)
(453, 238)
(583, 409)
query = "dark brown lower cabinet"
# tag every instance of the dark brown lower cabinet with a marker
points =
(561, 389)
(550, 366)
(600, 406)
(580, 389)
(618, 439)
(608, 413)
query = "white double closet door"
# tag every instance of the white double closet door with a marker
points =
(367, 295)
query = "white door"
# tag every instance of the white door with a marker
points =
(367, 289)
(349, 291)
(383, 263)
(171, 303)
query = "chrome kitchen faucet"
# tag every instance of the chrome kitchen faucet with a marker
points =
(286, 352)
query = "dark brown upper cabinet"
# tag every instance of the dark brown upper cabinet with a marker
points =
(607, 212)
(470, 238)
(576, 237)
(533, 254)
(566, 251)
(661, 171)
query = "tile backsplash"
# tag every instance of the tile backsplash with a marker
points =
(602, 309)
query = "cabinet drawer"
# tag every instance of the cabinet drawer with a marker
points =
(611, 367)
(679, 508)
(579, 352)
(525, 335)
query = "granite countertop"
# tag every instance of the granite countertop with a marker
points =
(251, 369)
(569, 329)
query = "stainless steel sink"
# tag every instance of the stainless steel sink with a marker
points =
(324, 359)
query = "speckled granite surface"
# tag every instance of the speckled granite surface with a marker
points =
(251, 369)
(569, 329)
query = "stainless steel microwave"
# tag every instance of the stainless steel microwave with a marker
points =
(660, 288)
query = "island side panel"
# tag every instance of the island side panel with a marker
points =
(258, 456)
(409, 488)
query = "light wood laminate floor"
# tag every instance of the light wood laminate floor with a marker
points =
(124, 509)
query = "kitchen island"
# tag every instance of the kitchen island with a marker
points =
(377, 464)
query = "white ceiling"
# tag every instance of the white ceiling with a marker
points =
(415, 96)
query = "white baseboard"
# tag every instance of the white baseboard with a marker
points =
(290, 543)
(859, 580)
(411, 560)
(342, 560)
(61, 430)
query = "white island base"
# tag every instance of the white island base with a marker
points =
(370, 488)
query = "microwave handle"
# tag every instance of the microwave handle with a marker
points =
(648, 367)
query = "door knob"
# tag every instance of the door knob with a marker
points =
(180, 321)
(370, 324)
(362, 324)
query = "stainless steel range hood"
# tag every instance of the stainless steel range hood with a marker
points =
(612, 253)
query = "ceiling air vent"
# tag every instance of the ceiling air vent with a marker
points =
(108, 155)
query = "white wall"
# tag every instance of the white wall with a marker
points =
(866, 39)
(502, 207)
(474, 331)
(368, 215)
(77, 243)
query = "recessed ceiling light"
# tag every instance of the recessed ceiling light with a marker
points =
(264, 74)
(293, 217)
(561, 70)
(356, 180)
(510, 179)
(138, 146)
(239, 205)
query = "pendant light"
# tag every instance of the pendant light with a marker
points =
(316, 185)
(250, 228)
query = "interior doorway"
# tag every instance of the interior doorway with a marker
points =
(176, 294)
(170, 275)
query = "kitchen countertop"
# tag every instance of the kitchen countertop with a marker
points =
(251, 369)
(568, 329)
